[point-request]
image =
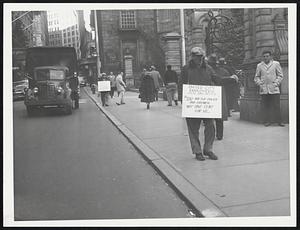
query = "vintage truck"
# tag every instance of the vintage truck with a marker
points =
(49, 70)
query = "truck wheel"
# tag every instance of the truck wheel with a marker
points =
(30, 110)
(68, 109)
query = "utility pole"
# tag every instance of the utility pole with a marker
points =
(182, 37)
(97, 44)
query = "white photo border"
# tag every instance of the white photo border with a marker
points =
(8, 199)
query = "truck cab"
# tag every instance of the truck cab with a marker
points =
(49, 88)
(49, 70)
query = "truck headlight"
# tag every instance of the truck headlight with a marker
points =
(35, 90)
(59, 90)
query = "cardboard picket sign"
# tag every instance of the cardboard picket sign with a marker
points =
(200, 101)
(103, 86)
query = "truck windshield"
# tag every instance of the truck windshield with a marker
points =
(49, 74)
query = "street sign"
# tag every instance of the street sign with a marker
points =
(199, 101)
(103, 86)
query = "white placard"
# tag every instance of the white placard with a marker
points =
(103, 86)
(199, 101)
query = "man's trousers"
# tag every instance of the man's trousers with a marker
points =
(271, 108)
(219, 128)
(193, 125)
(172, 92)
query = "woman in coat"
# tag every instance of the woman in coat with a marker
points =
(147, 89)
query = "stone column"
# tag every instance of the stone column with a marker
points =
(261, 33)
(172, 51)
(264, 31)
(281, 53)
(198, 37)
(128, 71)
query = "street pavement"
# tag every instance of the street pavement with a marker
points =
(250, 178)
(79, 166)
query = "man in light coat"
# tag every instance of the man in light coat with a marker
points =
(268, 77)
(120, 88)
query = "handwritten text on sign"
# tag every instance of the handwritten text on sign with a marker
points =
(103, 86)
(201, 101)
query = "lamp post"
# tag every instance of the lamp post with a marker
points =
(182, 37)
(97, 44)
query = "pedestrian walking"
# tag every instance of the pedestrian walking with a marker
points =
(157, 79)
(225, 79)
(268, 77)
(74, 86)
(147, 89)
(120, 88)
(171, 83)
(104, 94)
(197, 72)
(113, 86)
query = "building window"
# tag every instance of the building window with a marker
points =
(65, 40)
(69, 40)
(73, 32)
(127, 19)
(69, 34)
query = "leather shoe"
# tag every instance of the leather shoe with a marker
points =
(281, 124)
(211, 155)
(267, 124)
(200, 157)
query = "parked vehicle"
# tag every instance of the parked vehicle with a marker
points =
(19, 89)
(82, 81)
(49, 70)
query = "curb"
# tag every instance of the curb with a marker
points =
(197, 201)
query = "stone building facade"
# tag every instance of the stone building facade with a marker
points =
(34, 28)
(263, 29)
(65, 29)
(154, 37)
(128, 38)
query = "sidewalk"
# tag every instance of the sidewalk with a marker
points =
(250, 178)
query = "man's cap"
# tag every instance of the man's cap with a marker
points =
(197, 51)
(221, 59)
(152, 67)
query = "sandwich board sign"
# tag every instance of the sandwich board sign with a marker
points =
(103, 86)
(201, 101)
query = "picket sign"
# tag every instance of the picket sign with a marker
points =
(200, 101)
(103, 86)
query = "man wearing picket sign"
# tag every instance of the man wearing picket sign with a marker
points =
(198, 72)
(104, 88)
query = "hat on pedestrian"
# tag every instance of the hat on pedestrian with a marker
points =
(197, 51)
(153, 67)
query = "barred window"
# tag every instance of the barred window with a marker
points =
(127, 19)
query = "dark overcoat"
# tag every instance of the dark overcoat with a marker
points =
(224, 75)
(147, 89)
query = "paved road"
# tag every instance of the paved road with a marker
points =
(80, 167)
